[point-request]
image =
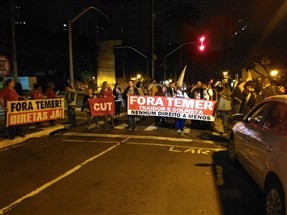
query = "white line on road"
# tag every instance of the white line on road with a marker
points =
(121, 126)
(175, 146)
(172, 139)
(151, 128)
(216, 148)
(50, 183)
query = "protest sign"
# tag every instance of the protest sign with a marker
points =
(31, 111)
(102, 106)
(194, 109)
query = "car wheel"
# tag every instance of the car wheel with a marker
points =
(275, 203)
(231, 151)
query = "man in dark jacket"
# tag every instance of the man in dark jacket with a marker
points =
(268, 89)
(130, 90)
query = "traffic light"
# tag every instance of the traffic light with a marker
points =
(201, 46)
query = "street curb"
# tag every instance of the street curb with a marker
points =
(45, 132)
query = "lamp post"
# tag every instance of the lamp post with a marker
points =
(164, 60)
(14, 54)
(70, 22)
(137, 51)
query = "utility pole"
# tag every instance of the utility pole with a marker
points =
(70, 22)
(152, 39)
(14, 55)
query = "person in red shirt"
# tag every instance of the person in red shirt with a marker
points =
(51, 94)
(10, 94)
(107, 92)
(37, 93)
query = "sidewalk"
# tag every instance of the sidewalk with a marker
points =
(31, 131)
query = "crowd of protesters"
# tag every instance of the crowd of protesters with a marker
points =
(239, 99)
(14, 92)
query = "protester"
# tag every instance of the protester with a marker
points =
(10, 94)
(236, 99)
(140, 88)
(179, 123)
(162, 120)
(118, 99)
(224, 107)
(19, 89)
(131, 90)
(107, 92)
(37, 93)
(71, 99)
(196, 92)
(51, 94)
(268, 88)
(207, 93)
(172, 89)
(250, 99)
(152, 88)
(86, 107)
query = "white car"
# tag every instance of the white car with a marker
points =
(259, 142)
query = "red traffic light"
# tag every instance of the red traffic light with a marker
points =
(202, 46)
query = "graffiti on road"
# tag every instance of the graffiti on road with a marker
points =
(194, 150)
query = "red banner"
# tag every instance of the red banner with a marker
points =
(31, 111)
(194, 109)
(102, 106)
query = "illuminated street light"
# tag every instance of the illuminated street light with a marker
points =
(139, 76)
(274, 73)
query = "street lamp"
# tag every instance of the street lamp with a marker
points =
(70, 22)
(164, 61)
(137, 51)
(274, 73)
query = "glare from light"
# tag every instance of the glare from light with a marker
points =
(202, 39)
(274, 73)
(139, 76)
(201, 48)
(225, 73)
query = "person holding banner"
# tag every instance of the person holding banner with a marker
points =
(71, 99)
(106, 92)
(37, 93)
(179, 123)
(51, 94)
(86, 107)
(131, 90)
(10, 94)
(118, 99)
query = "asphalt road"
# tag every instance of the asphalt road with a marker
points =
(115, 171)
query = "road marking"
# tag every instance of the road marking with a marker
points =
(172, 147)
(194, 150)
(121, 126)
(124, 136)
(151, 127)
(50, 183)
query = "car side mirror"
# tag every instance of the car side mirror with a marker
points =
(238, 117)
